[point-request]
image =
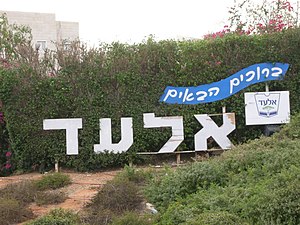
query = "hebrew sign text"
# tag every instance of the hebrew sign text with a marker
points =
(210, 129)
(225, 88)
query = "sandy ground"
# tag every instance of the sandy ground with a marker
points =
(84, 186)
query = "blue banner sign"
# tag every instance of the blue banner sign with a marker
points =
(216, 91)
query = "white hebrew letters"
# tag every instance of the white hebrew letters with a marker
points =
(106, 136)
(211, 93)
(176, 122)
(210, 129)
(71, 126)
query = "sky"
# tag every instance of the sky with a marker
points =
(132, 21)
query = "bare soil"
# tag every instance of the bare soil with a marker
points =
(83, 188)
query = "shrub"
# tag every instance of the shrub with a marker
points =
(277, 201)
(53, 181)
(258, 182)
(269, 200)
(216, 218)
(11, 212)
(118, 195)
(110, 80)
(50, 197)
(184, 181)
(24, 192)
(130, 218)
(97, 216)
(136, 175)
(58, 217)
(291, 130)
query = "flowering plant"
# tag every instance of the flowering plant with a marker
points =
(246, 18)
(5, 152)
(7, 167)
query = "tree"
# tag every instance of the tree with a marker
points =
(15, 40)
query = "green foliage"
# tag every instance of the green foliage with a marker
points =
(182, 182)
(216, 218)
(136, 175)
(131, 218)
(5, 160)
(57, 217)
(53, 181)
(111, 81)
(117, 197)
(14, 39)
(256, 183)
(12, 212)
(291, 130)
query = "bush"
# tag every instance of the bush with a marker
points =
(53, 181)
(50, 197)
(12, 212)
(184, 181)
(257, 182)
(57, 217)
(291, 130)
(136, 175)
(110, 80)
(118, 195)
(97, 216)
(131, 218)
(24, 192)
(216, 218)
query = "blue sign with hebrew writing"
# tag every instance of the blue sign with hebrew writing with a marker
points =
(225, 88)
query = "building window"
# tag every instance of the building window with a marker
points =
(67, 46)
(41, 46)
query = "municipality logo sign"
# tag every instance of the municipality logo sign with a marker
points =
(267, 104)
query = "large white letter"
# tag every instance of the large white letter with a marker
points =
(176, 122)
(106, 138)
(210, 129)
(71, 126)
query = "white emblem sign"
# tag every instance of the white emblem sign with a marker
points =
(267, 108)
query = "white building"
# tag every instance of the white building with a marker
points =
(45, 30)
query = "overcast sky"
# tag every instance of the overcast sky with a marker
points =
(132, 20)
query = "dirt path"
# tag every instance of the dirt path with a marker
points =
(17, 178)
(84, 186)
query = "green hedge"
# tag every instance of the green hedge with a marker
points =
(120, 80)
(257, 183)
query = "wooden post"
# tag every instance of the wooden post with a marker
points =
(267, 88)
(178, 158)
(224, 109)
(56, 166)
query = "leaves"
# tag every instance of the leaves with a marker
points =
(120, 80)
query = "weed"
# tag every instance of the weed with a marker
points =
(53, 181)
(131, 218)
(24, 192)
(50, 197)
(136, 175)
(57, 216)
(95, 217)
(11, 212)
(118, 195)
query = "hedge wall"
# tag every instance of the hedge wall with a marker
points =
(120, 80)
